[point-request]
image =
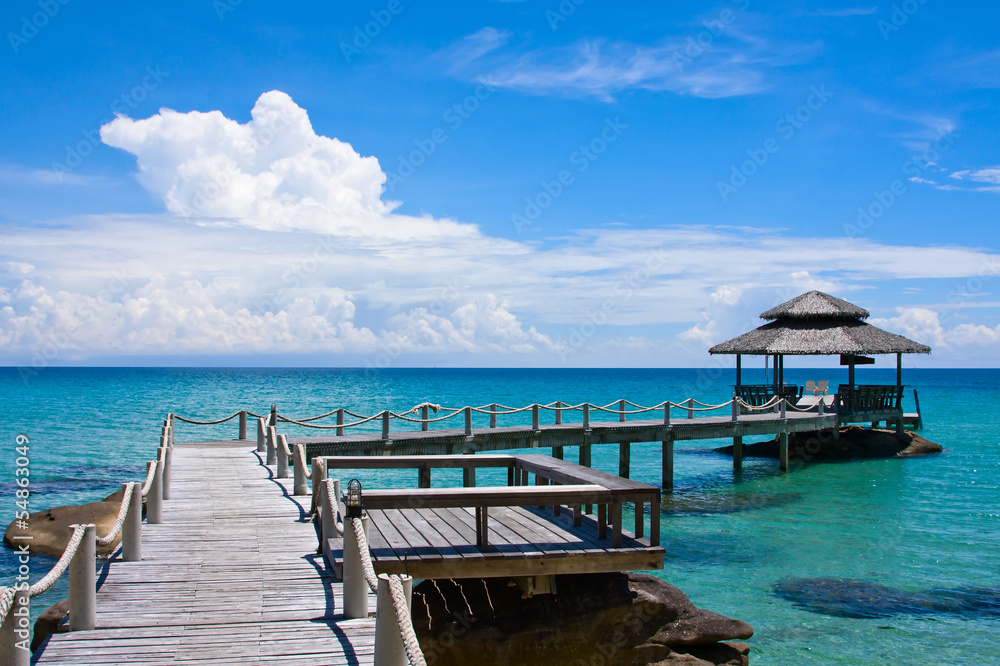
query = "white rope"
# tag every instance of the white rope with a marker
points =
(410, 642)
(149, 478)
(228, 418)
(55, 572)
(366, 558)
(300, 454)
(119, 521)
(6, 602)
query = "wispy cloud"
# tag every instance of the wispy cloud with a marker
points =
(844, 13)
(473, 47)
(13, 174)
(987, 179)
(735, 63)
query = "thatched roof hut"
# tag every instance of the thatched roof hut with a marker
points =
(818, 324)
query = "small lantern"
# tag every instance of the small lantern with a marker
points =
(353, 499)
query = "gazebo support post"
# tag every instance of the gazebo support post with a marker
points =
(899, 368)
(783, 451)
(739, 369)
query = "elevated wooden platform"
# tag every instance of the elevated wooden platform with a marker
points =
(229, 577)
(497, 531)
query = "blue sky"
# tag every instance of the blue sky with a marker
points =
(490, 183)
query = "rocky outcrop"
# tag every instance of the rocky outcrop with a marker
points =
(615, 618)
(48, 623)
(50, 530)
(852, 442)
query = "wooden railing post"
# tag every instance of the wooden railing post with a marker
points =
(243, 424)
(783, 404)
(261, 435)
(272, 445)
(83, 582)
(299, 486)
(534, 417)
(389, 648)
(385, 425)
(167, 458)
(586, 415)
(328, 516)
(666, 413)
(468, 421)
(424, 416)
(736, 408)
(274, 416)
(621, 411)
(132, 528)
(15, 632)
(559, 411)
(154, 500)
(282, 472)
(340, 422)
(355, 586)
(690, 402)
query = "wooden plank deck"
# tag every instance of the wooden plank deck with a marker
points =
(441, 543)
(229, 577)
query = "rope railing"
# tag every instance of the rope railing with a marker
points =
(228, 418)
(119, 520)
(399, 602)
(82, 578)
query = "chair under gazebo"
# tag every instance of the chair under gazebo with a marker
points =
(818, 324)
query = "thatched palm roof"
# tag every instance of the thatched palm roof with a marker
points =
(818, 324)
(815, 305)
(819, 337)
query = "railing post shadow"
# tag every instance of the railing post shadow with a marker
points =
(83, 582)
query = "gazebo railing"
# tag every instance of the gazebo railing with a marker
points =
(866, 400)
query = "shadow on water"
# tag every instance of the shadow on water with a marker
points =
(718, 503)
(709, 550)
(844, 597)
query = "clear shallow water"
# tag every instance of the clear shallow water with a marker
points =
(762, 548)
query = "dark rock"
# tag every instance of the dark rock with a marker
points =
(622, 618)
(853, 442)
(845, 597)
(49, 622)
(50, 530)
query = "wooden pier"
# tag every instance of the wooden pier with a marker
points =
(229, 577)
(559, 436)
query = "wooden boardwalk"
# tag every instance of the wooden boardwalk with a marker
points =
(229, 577)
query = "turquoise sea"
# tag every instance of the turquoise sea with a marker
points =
(863, 562)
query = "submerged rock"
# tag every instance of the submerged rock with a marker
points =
(50, 530)
(614, 618)
(845, 597)
(852, 442)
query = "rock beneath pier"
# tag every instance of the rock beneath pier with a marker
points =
(853, 442)
(49, 622)
(612, 619)
(50, 530)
